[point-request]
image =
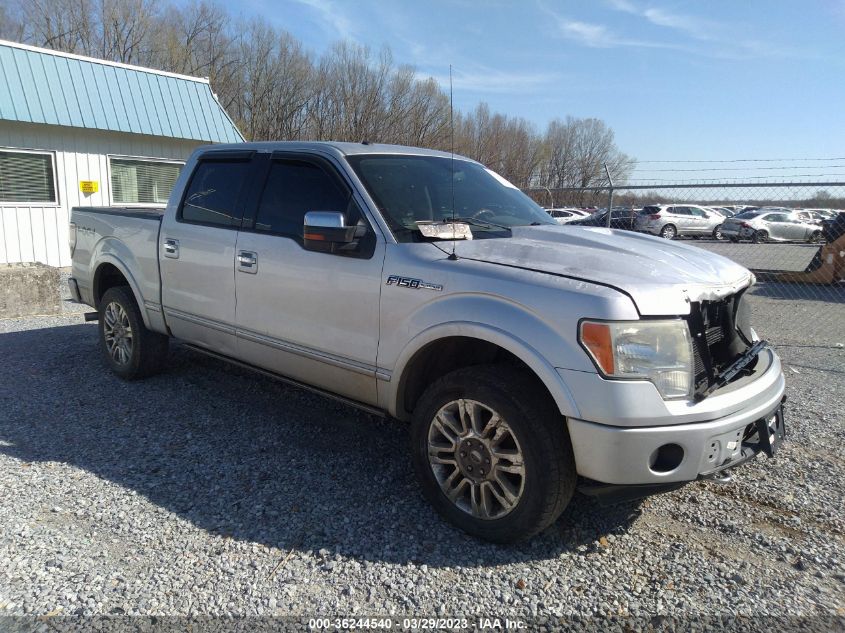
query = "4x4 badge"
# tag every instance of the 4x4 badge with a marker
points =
(408, 282)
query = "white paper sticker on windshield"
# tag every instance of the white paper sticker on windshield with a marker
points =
(501, 180)
(445, 231)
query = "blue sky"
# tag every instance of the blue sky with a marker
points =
(676, 80)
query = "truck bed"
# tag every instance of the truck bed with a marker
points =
(126, 237)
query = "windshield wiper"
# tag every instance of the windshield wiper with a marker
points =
(475, 222)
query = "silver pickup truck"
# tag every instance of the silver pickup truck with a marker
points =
(530, 358)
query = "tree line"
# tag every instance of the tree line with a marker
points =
(275, 89)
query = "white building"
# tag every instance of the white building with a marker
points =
(77, 131)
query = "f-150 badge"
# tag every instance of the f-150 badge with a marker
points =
(408, 282)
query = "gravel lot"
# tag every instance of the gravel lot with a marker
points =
(209, 490)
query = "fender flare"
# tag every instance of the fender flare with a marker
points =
(110, 258)
(545, 372)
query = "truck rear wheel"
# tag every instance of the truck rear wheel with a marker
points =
(492, 453)
(130, 350)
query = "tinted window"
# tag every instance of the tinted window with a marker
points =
(293, 188)
(746, 215)
(213, 196)
(697, 212)
(649, 210)
(681, 211)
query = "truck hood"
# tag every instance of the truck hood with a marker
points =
(661, 276)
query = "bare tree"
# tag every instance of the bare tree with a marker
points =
(126, 26)
(273, 85)
(63, 25)
(575, 153)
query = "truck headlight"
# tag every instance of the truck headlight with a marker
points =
(658, 351)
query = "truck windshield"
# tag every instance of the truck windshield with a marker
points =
(411, 189)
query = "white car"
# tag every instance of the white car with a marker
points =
(566, 215)
(771, 224)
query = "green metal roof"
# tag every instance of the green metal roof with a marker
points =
(45, 86)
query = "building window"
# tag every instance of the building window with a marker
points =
(27, 177)
(142, 181)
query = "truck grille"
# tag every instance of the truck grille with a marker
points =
(717, 338)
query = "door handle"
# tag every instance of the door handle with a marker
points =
(171, 248)
(247, 262)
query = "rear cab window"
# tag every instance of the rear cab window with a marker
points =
(213, 197)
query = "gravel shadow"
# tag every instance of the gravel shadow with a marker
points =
(240, 455)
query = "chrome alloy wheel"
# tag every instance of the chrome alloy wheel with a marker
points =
(117, 332)
(476, 459)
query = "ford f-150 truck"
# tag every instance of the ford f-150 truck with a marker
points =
(529, 358)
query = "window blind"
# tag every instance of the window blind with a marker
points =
(26, 177)
(142, 181)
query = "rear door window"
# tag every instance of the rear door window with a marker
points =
(214, 195)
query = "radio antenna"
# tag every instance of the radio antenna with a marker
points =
(453, 256)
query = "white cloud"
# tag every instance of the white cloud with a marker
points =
(688, 24)
(725, 41)
(484, 79)
(331, 14)
(595, 35)
(600, 36)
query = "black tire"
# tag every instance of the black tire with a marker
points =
(760, 237)
(535, 422)
(717, 233)
(815, 237)
(669, 232)
(147, 349)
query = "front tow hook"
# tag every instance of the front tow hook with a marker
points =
(723, 477)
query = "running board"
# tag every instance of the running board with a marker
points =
(288, 381)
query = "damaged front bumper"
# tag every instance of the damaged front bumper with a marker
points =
(699, 439)
(765, 435)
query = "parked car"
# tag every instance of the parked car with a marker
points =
(810, 215)
(670, 221)
(776, 224)
(826, 214)
(564, 216)
(522, 358)
(723, 211)
(619, 219)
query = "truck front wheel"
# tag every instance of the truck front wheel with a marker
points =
(492, 452)
(130, 350)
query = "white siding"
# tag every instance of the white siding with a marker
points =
(39, 233)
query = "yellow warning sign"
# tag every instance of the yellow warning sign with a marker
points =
(89, 186)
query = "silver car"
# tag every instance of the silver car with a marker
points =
(772, 224)
(670, 221)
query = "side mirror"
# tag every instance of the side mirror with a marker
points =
(325, 231)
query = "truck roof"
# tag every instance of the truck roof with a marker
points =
(338, 147)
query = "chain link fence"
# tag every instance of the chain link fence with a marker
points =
(791, 235)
